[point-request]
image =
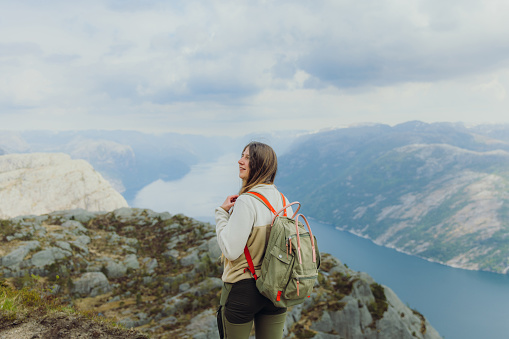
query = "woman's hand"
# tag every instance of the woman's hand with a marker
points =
(229, 202)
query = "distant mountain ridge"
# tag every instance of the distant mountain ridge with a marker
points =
(439, 191)
(131, 160)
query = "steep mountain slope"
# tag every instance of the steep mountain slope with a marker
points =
(438, 191)
(43, 182)
(160, 273)
(114, 160)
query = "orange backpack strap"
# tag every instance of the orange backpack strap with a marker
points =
(284, 204)
(267, 203)
(264, 200)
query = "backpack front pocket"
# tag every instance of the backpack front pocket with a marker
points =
(300, 286)
(275, 273)
(278, 270)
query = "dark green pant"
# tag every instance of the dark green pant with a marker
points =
(242, 305)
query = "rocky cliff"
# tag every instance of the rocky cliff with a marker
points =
(160, 273)
(130, 160)
(42, 182)
(437, 191)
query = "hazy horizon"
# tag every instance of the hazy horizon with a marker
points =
(249, 133)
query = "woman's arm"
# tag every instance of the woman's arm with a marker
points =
(234, 230)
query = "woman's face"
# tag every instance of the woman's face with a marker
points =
(244, 165)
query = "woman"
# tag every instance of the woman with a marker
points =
(247, 224)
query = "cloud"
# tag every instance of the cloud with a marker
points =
(11, 50)
(119, 64)
(388, 42)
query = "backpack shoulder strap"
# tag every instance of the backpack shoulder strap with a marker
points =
(284, 204)
(246, 250)
(263, 200)
(249, 263)
(267, 203)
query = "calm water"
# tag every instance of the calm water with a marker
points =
(458, 303)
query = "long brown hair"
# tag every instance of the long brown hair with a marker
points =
(262, 165)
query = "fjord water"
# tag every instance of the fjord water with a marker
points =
(457, 303)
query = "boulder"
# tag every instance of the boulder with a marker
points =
(75, 227)
(115, 269)
(206, 286)
(78, 214)
(64, 245)
(131, 261)
(324, 324)
(190, 259)
(91, 284)
(203, 326)
(16, 256)
(214, 249)
(126, 213)
(150, 265)
(48, 256)
(81, 243)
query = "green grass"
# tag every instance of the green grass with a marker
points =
(19, 303)
(34, 302)
(6, 229)
(380, 305)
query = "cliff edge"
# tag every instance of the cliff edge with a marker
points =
(40, 183)
(160, 273)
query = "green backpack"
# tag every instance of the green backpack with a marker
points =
(291, 261)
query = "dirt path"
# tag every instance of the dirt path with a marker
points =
(62, 325)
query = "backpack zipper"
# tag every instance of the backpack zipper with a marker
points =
(289, 242)
(303, 278)
(286, 243)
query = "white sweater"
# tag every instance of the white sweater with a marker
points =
(247, 224)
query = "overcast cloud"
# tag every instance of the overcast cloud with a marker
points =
(235, 67)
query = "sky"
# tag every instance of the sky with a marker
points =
(237, 67)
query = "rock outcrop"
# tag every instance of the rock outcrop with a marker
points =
(129, 160)
(160, 273)
(44, 182)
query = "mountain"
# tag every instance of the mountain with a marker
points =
(160, 274)
(43, 182)
(131, 160)
(438, 191)
(12, 142)
(495, 132)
